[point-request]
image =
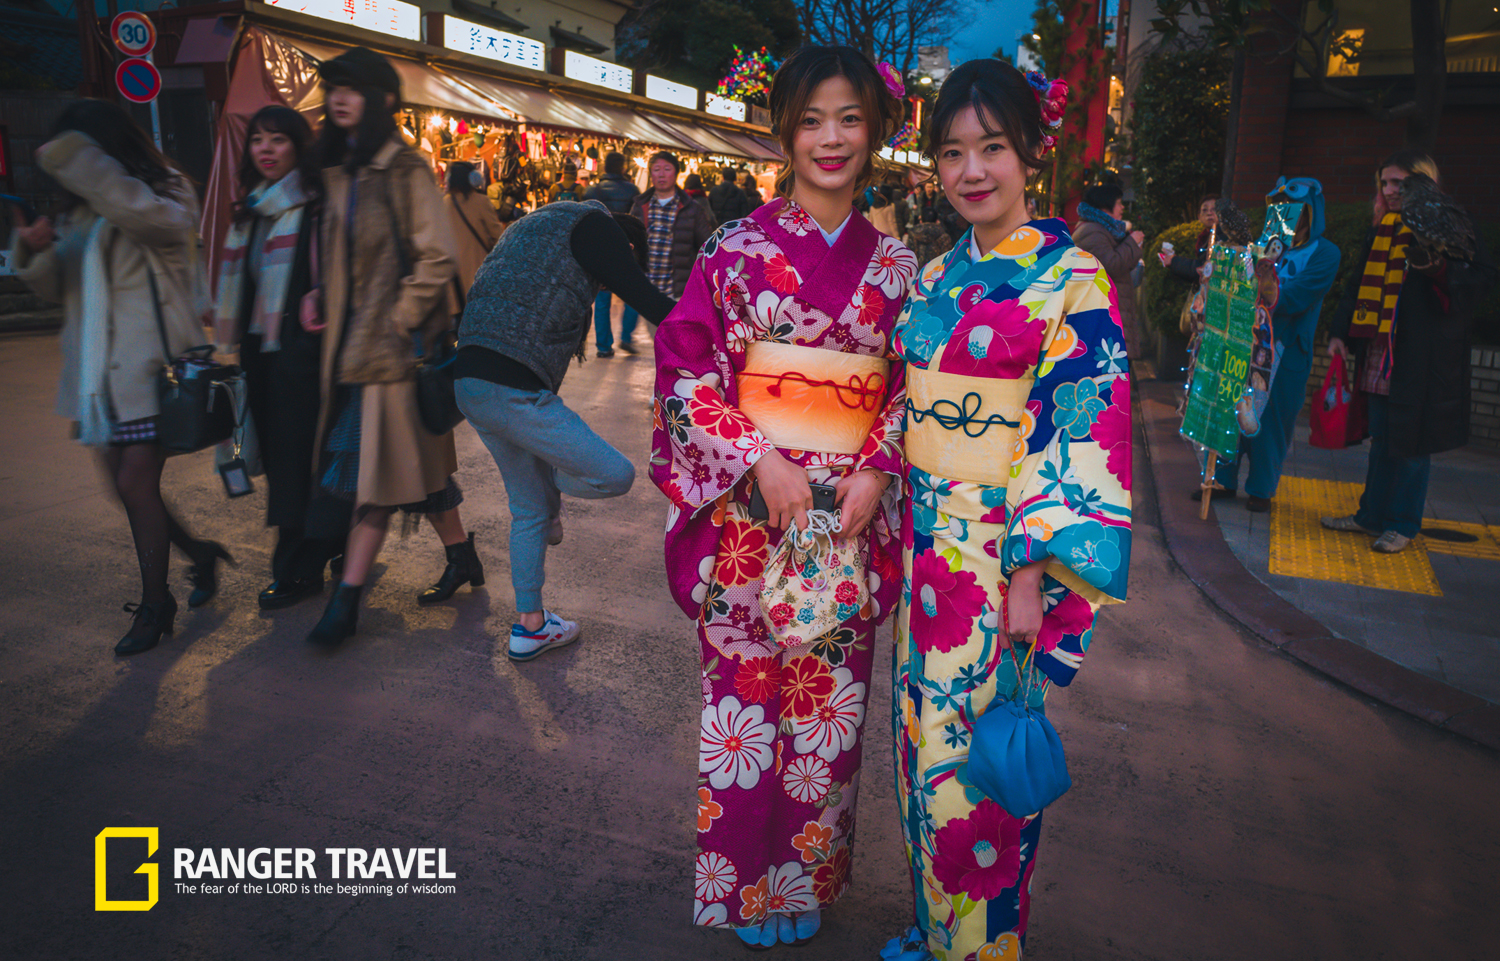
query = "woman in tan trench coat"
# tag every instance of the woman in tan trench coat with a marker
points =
(389, 259)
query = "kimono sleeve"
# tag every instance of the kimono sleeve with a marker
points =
(702, 443)
(1070, 494)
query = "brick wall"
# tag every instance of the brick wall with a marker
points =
(1263, 108)
(1341, 148)
(1484, 421)
(1287, 129)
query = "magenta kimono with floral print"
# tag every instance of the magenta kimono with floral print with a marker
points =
(780, 743)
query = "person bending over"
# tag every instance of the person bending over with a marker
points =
(515, 344)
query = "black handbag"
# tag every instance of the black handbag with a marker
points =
(437, 401)
(197, 397)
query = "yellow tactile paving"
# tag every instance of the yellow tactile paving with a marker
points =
(1486, 548)
(1302, 547)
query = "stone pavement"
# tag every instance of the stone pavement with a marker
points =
(1228, 803)
(1438, 637)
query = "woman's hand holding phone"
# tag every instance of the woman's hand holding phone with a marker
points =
(859, 494)
(786, 490)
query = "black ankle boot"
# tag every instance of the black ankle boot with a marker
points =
(339, 617)
(463, 568)
(205, 574)
(151, 622)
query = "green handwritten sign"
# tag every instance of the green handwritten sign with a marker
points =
(1223, 354)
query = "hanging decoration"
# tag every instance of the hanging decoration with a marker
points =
(749, 75)
(907, 138)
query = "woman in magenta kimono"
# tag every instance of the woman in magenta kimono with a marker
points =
(1017, 520)
(774, 371)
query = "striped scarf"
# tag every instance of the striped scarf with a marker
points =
(1380, 285)
(281, 203)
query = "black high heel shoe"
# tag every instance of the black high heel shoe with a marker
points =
(151, 622)
(339, 617)
(463, 568)
(205, 574)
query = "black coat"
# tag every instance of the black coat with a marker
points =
(728, 202)
(284, 394)
(614, 192)
(1429, 400)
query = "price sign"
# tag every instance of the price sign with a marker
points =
(138, 81)
(1223, 364)
(133, 33)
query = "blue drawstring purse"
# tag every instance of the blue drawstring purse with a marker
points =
(1016, 758)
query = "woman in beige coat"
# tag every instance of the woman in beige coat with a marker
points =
(389, 259)
(1117, 245)
(476, 225)
(124, 253)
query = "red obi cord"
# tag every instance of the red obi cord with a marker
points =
(862, 392)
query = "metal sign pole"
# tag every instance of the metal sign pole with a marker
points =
(155, 110)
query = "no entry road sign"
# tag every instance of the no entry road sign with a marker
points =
(138, 80)
(133, 33)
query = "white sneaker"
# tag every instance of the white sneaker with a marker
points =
(554, 632)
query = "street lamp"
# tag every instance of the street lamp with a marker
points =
(925, 81)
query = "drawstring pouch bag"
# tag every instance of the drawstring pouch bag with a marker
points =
(813, 583)
(1016, 758)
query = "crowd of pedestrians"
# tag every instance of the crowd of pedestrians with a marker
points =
(873, 402)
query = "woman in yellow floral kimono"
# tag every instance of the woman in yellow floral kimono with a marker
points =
(1017, 521)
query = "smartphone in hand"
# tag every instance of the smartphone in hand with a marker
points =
(824, 499)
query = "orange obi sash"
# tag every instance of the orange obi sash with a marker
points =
(808, 398)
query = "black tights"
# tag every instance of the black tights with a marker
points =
(135, 471)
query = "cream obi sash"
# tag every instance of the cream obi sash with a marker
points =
(964, 428)
(808, 398)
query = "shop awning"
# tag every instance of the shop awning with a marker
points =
(459, 91)
(702, 139)
(757, 148)
(421, 85)
(549, 109)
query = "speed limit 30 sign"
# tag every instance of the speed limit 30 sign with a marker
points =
(133, 33)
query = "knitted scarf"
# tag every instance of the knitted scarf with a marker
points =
(1115, 227)
(281, 203)
(1380, 283)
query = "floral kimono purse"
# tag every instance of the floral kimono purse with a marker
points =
(813, 583)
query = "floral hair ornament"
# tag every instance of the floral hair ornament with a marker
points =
(892, 79)
(1051, 97)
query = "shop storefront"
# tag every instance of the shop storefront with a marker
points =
(469, 93)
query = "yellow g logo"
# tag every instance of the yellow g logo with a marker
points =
(101, 875)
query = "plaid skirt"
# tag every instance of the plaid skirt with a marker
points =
(125, 433)
(340, 476)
